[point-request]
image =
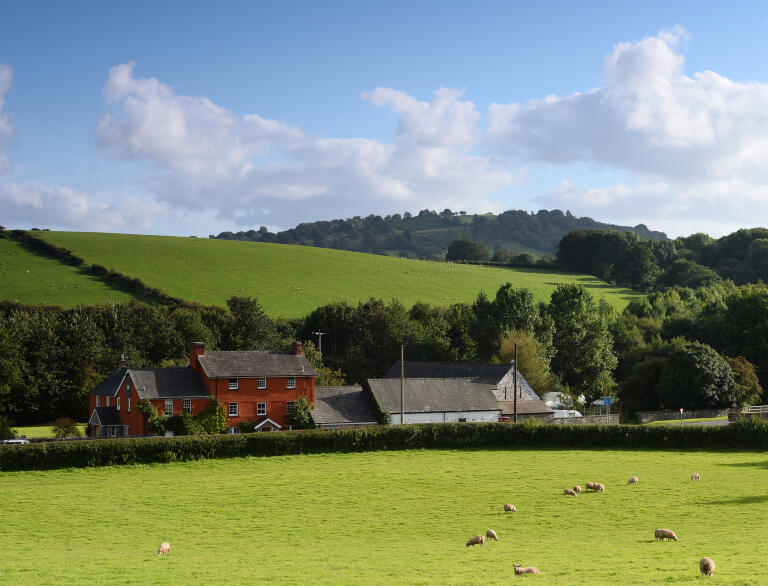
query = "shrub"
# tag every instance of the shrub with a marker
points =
(213, 419)
(154, 421)
(6, 431)
(65, 427)
(184, 424)
(247, 427)
(302, 415)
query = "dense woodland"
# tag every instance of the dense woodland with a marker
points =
(428, 234)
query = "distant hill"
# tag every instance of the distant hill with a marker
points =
(428, 234)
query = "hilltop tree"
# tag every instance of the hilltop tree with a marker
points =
(467, 250)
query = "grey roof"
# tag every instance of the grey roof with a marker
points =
(254, 364)
(349, 404)
(524, 407)
(155, 383)
(491, 373)
(106, 416)
(433, 395)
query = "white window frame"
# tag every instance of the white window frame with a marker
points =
(98, 402)
(168, 403)
(108, 398)
(128, 405)
(290, 408)
(187, 406)
(233, 384)
(261, 408)
(261, 383)
(290, 382)
(233, 430)
(118, 404)
(236, 410)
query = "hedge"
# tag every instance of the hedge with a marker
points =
(743, 434)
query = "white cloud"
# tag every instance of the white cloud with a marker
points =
(7, 131)
(60, 207)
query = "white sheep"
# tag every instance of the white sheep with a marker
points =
(633, 480)
(577, 489)
(599, 487)
(491, 534)
(590, 485)
(528, 570)
(569, 492)
(662, 534)
(164, 548)
(510, 508)
(707, 566)
(695, 476)
(477, 539)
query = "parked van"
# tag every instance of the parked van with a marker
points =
(16, 441)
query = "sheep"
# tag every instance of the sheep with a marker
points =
(661, 534)
(521, 570)
(491, 534)
(598, 487)
(695, 476)
(577, 489)
(164, 548)
(510, 508)
(707, 566)
(569, 492)
(633, 480)
(590, 485)
(477, 539)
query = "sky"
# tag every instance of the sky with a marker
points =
(192, 118)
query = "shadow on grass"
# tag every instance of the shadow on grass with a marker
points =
(742, 500)
(763, 464)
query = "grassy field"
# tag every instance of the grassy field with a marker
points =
(33, 431)
(695, 420)
(291, 281)
(38, 280)
(390, 517)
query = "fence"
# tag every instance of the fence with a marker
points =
(648, 416)
(758, 409)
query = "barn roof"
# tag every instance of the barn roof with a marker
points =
(254, 364)
(433, 395)
(343, 405)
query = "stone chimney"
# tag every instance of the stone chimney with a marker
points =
(121, 362)
(195, 349)
(296, 348)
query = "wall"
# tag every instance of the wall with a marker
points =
(588, 420)
(448, 417)
(648, 416)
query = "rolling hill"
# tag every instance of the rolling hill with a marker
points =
(290, 281)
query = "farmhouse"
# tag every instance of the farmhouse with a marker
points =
(260, 387)
(436, 400)
(347, 406)
(499, 376)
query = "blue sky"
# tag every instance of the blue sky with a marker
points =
(197, 117)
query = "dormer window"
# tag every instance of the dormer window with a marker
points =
(290, 383)
(128, 388)
(98, 403)
(233, 384)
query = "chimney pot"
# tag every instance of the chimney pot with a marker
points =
(296, 348)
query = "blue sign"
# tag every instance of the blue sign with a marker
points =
(606, 400)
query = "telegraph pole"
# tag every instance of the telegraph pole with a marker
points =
(319, 341)
(402, 385)
(514, 375)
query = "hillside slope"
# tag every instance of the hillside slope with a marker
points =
(291, 281)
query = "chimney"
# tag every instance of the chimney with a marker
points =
(121, 363)
(296, 348)
(195, 349)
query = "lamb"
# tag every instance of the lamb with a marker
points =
(491, 534)
(510, 508)
(662, 534)
(695, 476)
(527, 570)
(477, 539)
(569, 492)
(633, 480)
(577, 489)
(164, 548)
(707, 566)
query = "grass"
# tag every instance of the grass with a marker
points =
(33, 431)
(291, 281)
(390, 517)
(686, 420)
(33, 279)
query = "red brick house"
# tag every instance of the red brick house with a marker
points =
(260, 387)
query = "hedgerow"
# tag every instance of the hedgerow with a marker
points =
(750, 435)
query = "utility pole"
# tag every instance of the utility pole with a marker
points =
(402, 385)
(319, 341)
(514, 377)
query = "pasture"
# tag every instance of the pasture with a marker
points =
(390, 517)
(291, 281)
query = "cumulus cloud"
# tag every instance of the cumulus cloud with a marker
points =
(64, 208)
(7, 131)
(250, 169)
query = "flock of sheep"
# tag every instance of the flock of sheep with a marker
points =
(706, 565)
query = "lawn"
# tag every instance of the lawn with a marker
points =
(33, 431)
(291, 281)
(390, 517)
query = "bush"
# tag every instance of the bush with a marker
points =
(65, 427)
(247, 427)
(6, 431)
(184, 424)
(213, 419)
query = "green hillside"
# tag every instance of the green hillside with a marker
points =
(37, 280)
(290, 281)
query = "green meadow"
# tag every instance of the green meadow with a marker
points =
(291, 281)
(390, 518)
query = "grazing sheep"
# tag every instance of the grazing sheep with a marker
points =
(528, 570)
(164, 548)
(662, 534)
(598, 487)
(633, 480)
(477, 539)
(707, 566)
(569, 492)
(591, 485)
(510, 508)
(577, 489)
(695, 477)
(491, 534)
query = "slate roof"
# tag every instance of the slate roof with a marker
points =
(155, 383)
(524, 407)
(491, 373)
(106, 416)
(343, 405)
(254, 364)
(433, 395)
(264, 420)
